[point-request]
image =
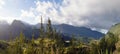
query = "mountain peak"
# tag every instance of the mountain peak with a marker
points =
(17, 24)
(16, 21)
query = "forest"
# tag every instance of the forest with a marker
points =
(50, 41)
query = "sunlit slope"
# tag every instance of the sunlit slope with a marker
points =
(115, 29)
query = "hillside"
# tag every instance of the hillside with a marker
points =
(115, 29)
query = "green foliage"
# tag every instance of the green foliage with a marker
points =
(95, 47)
(108, 42)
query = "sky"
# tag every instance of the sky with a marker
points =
(99, 15)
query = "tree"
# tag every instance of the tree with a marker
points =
(49, 29)
(42, 30)
(22, 38)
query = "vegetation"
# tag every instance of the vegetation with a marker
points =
(51, 42)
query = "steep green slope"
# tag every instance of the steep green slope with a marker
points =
(115, 29)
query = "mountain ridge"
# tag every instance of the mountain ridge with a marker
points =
(18, 26)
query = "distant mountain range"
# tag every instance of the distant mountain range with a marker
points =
(12, 31)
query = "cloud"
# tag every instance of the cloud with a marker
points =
(2, 3)
(27, 13)
(99, 14)
(9, 19)
(29, 16)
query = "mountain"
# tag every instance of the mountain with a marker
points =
(69, 30)
(79, 31)
(12, 31)
(4, 30)
(19, 26)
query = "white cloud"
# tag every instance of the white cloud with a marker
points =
(42, 7)
(103, 31)
(90, 13)
(94, 13)
(2, 3)
(100, 30)
(8, 19)
(27, 13)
